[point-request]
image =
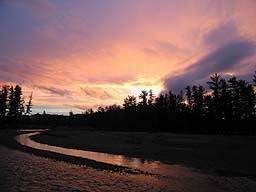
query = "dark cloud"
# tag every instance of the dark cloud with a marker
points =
(54, 91)
(225, 57)
(221, 35)
(96, 93)
(247, 77)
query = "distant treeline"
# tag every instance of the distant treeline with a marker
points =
(13, 107)
(225, 107)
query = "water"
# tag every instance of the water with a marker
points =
(119, 160)
(21, 171)
(25, 172)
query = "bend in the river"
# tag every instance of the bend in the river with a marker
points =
(118, 160)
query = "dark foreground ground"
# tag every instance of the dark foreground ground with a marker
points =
(26, 169)
(223, 155)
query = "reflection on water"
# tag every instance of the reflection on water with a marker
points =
(120, 160)
(32, 130)
(25, 172)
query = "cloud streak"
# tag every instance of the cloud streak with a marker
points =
(230, 52)
(54, 90)
(96, 93)
(116, 48)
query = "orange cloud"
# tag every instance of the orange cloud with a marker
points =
(91, 53)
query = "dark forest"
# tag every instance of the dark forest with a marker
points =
(226, 106)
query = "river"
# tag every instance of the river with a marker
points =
(26, 172)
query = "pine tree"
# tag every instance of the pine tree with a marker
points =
(3, 101)
(214, 85)
(189, 97)
(254, 78)
(235, 98)
(172, 102)
(144, 98)
(250, 102)
(11, 103)
(29, 104)
(151, 98)
(225, 100)
(130, 102)
(16, 102)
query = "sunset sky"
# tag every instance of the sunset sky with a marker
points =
(79, 54)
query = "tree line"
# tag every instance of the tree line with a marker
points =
(12, 104)
(225, 106)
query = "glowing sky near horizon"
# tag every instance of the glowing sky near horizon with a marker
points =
(79, 54)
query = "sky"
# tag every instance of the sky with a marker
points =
(74, 55)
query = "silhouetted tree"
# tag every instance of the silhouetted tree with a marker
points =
(159, 104)
(250, 102)
(29, 105)
(225, 100)
(16, 102)
(151, 98)
(3, 101)
(215, 85)
(172, 102)
(144, 98)
(101, 109)
(235, 97)
(229, 106)
(11, 103)
(130, 102)
(180, 102)
(198, 99)
(254, 78)
(44, 116)
(189, 97)
(208, 100)
(71, 114)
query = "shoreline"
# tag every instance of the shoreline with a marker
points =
(212, 154)
(8, 140)
(55, 136)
